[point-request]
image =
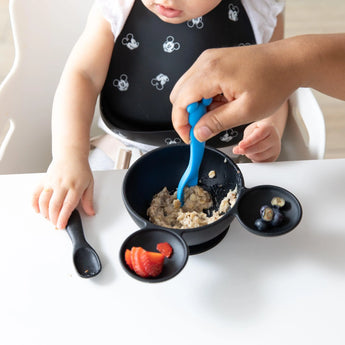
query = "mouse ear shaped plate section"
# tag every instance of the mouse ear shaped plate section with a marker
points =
(269, 210)
(143, 250)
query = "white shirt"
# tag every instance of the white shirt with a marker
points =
(262, 15)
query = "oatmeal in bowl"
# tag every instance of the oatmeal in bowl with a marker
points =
(165, 209)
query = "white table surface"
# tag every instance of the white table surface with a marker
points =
(247, 290)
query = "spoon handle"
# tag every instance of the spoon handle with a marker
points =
(197, 149)
(190, 177)
(75, 230)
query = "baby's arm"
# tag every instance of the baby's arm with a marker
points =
(262, 139)
(69, 177)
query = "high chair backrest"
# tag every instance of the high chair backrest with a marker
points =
(305, 133)
(44, 34)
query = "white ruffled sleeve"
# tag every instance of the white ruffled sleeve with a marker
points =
(115, 12)
(263, 16)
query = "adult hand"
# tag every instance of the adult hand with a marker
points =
(245, 82)
(251, 82)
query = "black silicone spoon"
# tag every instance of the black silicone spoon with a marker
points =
(85, 258)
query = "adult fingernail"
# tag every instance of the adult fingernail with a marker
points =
(203, 133)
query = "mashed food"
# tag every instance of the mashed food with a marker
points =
(165, 209)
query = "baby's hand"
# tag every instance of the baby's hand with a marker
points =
(261, 142)
(65, 184)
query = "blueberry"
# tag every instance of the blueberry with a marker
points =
(261, 224)
(277, 218)
(266, 213)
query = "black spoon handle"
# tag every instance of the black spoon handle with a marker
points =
(75, 230)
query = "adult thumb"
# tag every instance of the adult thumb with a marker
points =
(226, 116)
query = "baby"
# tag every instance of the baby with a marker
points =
(131, 53)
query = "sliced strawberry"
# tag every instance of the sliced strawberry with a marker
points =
(165, 248)
(152, 262)
(128, 258)
(138, 267)
(132, 256)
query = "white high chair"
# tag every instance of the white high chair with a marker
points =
(305, 132)
(44, 33)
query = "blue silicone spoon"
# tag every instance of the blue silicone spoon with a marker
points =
(190, 177)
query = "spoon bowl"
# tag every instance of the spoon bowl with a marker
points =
(86, 262)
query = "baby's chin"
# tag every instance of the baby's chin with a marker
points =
(176, 20)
